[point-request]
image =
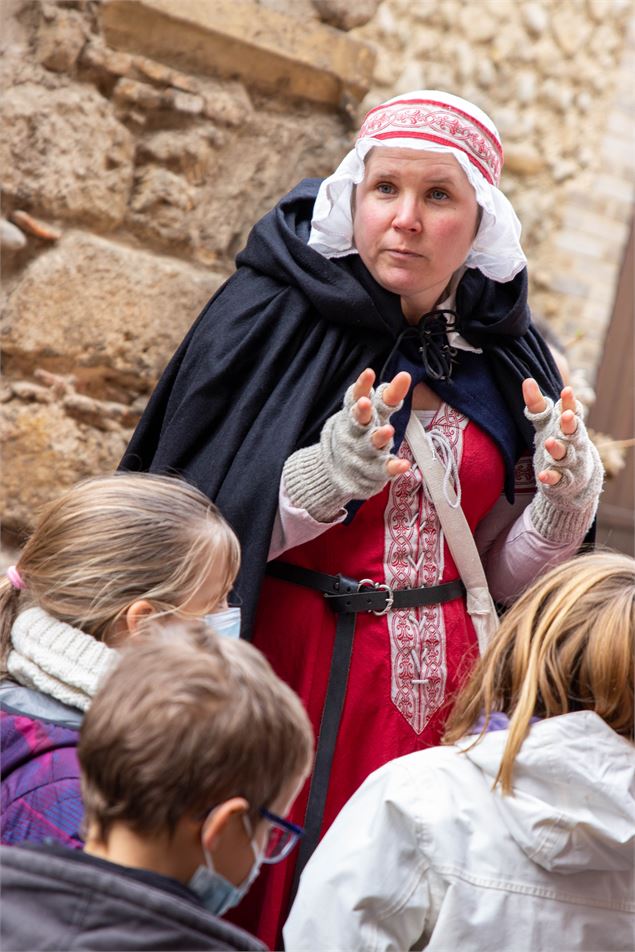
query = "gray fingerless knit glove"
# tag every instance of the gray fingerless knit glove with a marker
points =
(564, 512)
(344, 465)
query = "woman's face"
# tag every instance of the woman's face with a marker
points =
(415, 218)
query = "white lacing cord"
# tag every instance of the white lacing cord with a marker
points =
(441, 449)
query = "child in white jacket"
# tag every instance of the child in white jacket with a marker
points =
(520, 834)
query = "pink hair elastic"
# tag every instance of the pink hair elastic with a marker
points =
(14, 577)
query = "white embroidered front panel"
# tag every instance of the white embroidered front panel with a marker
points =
(413, 557)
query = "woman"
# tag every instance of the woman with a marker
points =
(521, 833)
(404, 267)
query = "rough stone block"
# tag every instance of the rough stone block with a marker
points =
(225, 184)
(65, 154)
(346, 14)
(60, 40)
(46, 450)
(138, 94)
(109, 314)
(262, 47)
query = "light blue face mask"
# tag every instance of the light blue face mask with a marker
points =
(225, 622)
(216, 893)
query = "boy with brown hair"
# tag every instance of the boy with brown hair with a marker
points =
(191, 753)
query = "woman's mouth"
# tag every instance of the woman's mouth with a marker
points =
(403, 253)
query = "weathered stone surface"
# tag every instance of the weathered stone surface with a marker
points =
(346, 14)
(206, 211)
(302, 9)
(261, 46)
(60, 39)
(571, 33)
(478, 25)
(113, 315)
(65, 154)
(227, 103)
(523, 160)
(191, 153)
(45, 450)
(101, 58)
(161, 204)
(535, 18)
(139, 94)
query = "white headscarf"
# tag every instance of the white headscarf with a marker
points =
(433, 121)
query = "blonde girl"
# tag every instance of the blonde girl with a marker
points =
(519, 833)
(107, 556)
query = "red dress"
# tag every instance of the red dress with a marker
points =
(405, 666)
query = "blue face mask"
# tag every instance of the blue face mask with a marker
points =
(225, 622)
(216, 893)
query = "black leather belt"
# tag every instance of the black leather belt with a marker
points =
(346, 597)
(351, 596)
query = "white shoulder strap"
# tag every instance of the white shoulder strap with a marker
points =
(457, 533)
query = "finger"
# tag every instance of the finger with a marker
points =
(397, 389)
(395, 467)
(568, 399)
(363, 411)
(534, 400)
(363, 384)
(556, 449)
(549, 477)
(382, 436)
(568, 422)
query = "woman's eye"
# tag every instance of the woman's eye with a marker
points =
(385, 188)
(437, 194)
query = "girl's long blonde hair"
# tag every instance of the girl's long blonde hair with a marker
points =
(566, 645)
(112, 540)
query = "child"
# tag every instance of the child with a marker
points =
(191, 754)
(109, 554)
(522, 835)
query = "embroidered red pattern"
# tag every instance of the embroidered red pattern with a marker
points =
(413, 557)
(438, 123)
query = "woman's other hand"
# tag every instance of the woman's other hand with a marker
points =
(387, 399)
(536, 404)
(566, 464)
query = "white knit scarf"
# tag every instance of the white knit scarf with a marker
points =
(57, 659)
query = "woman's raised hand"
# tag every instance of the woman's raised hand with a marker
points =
(566, 465)
(353, 458)
(555, 448)
(384, 402)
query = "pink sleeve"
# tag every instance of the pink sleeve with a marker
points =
(513, 551)
(294, 526)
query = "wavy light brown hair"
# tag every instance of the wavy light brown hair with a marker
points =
(111, 540)
(186, 721)
(566, 645)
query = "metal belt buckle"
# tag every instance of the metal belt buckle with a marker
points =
(379, 586)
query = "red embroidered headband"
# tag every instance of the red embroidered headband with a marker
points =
(438, 122)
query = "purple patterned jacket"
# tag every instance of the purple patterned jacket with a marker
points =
(40, 789)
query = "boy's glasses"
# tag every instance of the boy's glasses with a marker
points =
(283, 835)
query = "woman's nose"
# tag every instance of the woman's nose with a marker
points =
(407, 215)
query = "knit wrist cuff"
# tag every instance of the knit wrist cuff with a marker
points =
(560, 525)
(309, 485)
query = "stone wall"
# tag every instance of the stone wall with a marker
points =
(557, 77)
(130, 180)
(142, 139)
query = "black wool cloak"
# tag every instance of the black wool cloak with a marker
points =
(271, 354)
